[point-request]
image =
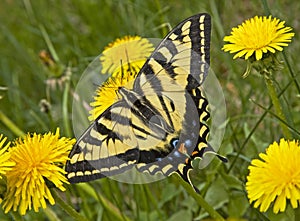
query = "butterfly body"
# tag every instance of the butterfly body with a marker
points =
(158, 123)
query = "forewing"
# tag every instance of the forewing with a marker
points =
(175, 71)
(182, 56)
(106, 148)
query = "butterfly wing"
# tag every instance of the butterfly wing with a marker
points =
(160, 132)
(175, 70)
(104, 149)
(183, 55)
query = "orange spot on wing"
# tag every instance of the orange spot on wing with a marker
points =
(182, 149)
(187, 160)
(195, 153)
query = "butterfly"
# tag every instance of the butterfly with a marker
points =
(159, 125)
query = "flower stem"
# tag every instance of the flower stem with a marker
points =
(200, 200)
(297, 213)
(16, 216)
(66, 207)
(65, 102)
(277, 106)
(11, 125)
(112, 211)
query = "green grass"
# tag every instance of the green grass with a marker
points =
(77, 31)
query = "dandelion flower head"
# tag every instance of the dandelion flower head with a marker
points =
(275, 178)
(123, 51)
(256, 36)
(123, 59)
(5, 163)
(38, 159)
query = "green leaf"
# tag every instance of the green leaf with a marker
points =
(191, 204)
(152, 216)
(217, 195)
(238, 204)
(181, 215)
(168, 193)
(232, 182)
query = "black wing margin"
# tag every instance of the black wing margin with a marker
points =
(183, 55)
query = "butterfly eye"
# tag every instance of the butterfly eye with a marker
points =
(174, 142)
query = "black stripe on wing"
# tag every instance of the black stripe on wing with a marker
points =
(86, 161)
(200, 50)
(88, 170)
(202, 146)
(192, 35)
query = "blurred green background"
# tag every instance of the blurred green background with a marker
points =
(78, 30)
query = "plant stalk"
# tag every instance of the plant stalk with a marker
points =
(67, 208)
(277, 106)
(200, 200)
(11, 125)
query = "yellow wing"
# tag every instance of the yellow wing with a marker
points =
(159, 126)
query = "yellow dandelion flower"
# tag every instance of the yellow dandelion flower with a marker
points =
(5, 163)
(38, 158)
(275, 177)
(123, 58)
(256, 36)
(107, 93)
(123, 51)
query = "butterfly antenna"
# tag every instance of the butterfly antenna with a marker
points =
(122, 69)
(128, 62)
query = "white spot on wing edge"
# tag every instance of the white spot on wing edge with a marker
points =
(201, 19)
(71, 175)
